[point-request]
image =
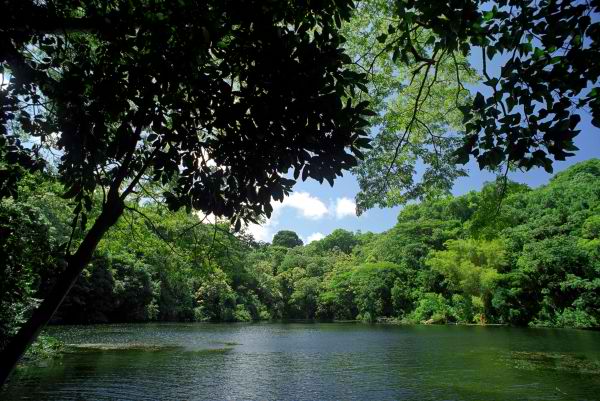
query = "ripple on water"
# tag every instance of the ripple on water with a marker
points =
(198, 362)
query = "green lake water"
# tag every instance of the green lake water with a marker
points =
(298, 361)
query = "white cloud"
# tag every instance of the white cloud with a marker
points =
(262, 232)
(265, 231)
(344, 207)
(309, 206)
(314, 237)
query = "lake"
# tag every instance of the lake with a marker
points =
(303, 361)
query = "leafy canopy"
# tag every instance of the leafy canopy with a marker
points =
(418, 118)
(527, 116)
(218, 99)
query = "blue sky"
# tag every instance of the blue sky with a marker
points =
(315, 210)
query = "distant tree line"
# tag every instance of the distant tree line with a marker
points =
(521, 257)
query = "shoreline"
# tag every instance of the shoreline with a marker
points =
(384, 321)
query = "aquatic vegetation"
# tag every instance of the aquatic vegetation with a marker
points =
(228, 343)
(212, 351)
(123, 347)
(565, 362)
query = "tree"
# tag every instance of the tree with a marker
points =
(556, 274)
(216, 99)
(418, 120)
(372, 284)
(337, 300)
(431, 308)
(471, 267)
(305, 296)
(216, 299)
(497, 203)
(26, 251)
(528, 114)
(539, 264)
(340, 239)
(286, 238)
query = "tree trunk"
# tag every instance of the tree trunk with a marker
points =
(17, 346)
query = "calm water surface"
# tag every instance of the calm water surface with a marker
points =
(314, 362)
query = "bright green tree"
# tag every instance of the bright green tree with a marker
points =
(472, 268)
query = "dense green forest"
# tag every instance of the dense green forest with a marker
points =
(506, 254)
(122, 122)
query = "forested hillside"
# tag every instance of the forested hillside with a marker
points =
(506, 254)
